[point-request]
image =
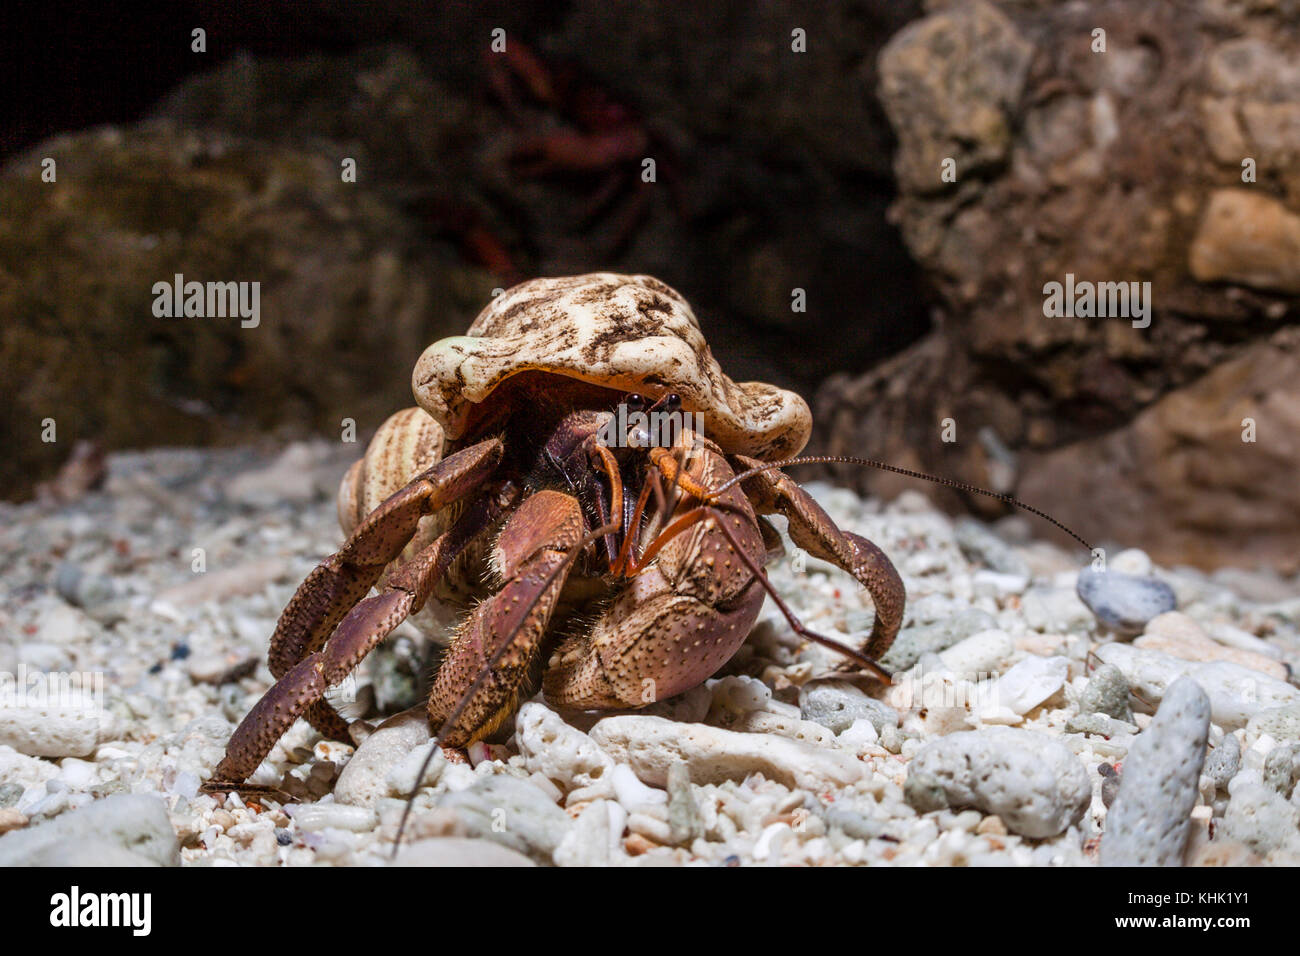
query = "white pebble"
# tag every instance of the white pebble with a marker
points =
(1028, 684)
(978, 654)
(651, 744)
(858, 735)
(631, 792)
(771, 840)
(563, 753)
(319, 816)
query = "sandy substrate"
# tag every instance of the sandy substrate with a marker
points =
(1005, 738)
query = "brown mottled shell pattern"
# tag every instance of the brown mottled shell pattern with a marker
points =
(632, 333)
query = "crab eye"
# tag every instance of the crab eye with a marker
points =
(635, 402)
(672, 402)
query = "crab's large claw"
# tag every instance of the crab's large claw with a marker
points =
(490, 659)
(680, 618)
(811, 528)
(308, 654)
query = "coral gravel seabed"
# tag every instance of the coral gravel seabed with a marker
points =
(1004, 740)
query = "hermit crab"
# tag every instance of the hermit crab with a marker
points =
(584, 482)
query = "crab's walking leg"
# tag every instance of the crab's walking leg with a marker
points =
(345, 577)
(303, 685)
(532, 558)
(812, 529)
(333, 588)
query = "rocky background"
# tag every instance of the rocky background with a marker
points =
(1125, 165)
(775, 170)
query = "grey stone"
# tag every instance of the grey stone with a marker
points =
(129, 823)
(1034, 782)
(1260, 817)
(912, 642)
(1282, 768)
(684, 821)
(511, 812)
(1098, 724)
(83, 590)
(10, 794)
(1224, 761)
(1107, 693)
(837, 704)
(854, 825)
(1109, 783)
(1151, 818)
(1122, 602)
(1280, 723)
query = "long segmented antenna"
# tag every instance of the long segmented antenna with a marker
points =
(885, 466)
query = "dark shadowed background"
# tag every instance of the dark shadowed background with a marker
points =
(776, 169)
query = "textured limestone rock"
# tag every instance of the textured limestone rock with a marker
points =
(1032, 781)
(1236, 693)
(125, 829)
(651, 745)
(1150, 820)
(552, 747)
(1120, 166)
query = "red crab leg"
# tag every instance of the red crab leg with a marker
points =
(479, 683)
(705, 512)
(304, 684)
(630, 532)
(337, 583)
(610, 464)
(772, 491)
(334, 587)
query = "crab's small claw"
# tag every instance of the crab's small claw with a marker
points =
(811, 528)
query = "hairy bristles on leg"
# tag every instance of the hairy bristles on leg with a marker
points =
(493, 661)
(906, 472)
